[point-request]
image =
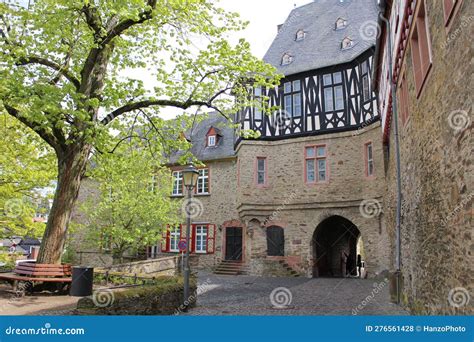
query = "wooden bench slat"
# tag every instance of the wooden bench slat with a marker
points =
(26, 263)
(52, 274)
(36, 269)
(11, 276)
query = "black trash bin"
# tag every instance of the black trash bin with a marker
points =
(82, 280)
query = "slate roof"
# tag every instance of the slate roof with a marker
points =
(225, 144)
(27, 241)
(321, 46)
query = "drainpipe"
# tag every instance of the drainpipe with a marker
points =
(397, 152)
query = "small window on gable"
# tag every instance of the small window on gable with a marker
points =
(212, 137)
(211, 140)
(286, 59)
(300, 35)
(347, 43)
(341, 23)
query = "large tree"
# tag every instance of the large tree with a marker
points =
(62, 73)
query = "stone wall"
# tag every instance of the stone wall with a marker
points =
(165, 298)
(299, 208)
(151, 266)
(219, 207)
(437, 172)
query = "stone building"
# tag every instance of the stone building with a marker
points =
(432, 72)
(306, 196)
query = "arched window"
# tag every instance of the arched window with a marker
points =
(347, 43)
(300, 35)
(341, 23)
(286, 59)
(275, 241)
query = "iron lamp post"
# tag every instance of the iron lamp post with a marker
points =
(190, 177)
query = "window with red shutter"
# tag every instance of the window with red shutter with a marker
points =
(165, 240)
(421, 49)
(211, 238)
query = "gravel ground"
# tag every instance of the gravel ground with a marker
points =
(247, 295)
(39, 304)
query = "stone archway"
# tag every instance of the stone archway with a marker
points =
(335, 239)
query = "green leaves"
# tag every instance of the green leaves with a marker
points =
(134, 205)
(26, 166)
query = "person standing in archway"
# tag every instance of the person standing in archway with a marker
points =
(344, 263)
(359, 265)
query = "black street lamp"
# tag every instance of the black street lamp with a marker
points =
(190, 177)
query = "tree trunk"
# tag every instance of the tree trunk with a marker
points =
(71, 167)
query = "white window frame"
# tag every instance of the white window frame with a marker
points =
(201, 238)
(175, 236)
(177, 183)
(318, 158)
(211, 141)
(203, 177)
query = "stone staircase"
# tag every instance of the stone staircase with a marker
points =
(291, 272)
(227, 267)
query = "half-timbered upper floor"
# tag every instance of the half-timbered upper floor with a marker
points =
(325, 52)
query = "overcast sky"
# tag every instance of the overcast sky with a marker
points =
(264, 16)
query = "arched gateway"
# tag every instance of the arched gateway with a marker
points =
(336, 243)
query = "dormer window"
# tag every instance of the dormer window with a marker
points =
(341, 23)
(213, 137)
(211, 141)
(300, 35)
(347, 43)
(286, 59)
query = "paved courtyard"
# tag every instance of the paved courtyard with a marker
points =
(247, 295)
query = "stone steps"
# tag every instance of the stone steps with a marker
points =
(230, 268)
(291, 272)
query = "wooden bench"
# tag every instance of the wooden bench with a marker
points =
(30, 276)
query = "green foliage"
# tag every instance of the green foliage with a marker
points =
(134, 205)
(26, 166)
(51, 74)
(9, 259)
(63, 73)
